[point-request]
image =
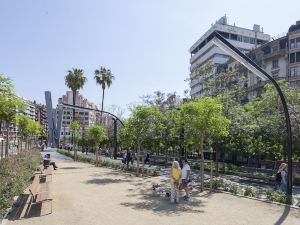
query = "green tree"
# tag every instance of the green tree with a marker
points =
(97, 135)
(201, 118)
(141, 125)
(23, 127)
(75, 80)
(10, 104)
(104, 78)
(74, 127)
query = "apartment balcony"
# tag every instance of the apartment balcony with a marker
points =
(294, 78)
(263, 83)
(260, 56)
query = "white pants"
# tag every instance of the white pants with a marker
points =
(174, 192)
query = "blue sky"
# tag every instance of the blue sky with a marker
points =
(144, 43)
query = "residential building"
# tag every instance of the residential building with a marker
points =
(41, 117)
(87, 116)
(293, 37)
(204, 50)
(280, 58)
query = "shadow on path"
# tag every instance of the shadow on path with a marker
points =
(105, 181)
(284, 215)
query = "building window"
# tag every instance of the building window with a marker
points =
(298, 42)
(246, 39)
(252, 40)
(225, 35)
(233, 37)
(275, 64)
(239, 38)
(266, 49)
(292, 58)
(292, 43)
(297, 56)
(295, 71)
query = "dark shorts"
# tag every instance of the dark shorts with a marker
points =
(183, 183)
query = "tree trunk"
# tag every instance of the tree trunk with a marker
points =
(217, 159)
(138, 159)
(7, 139)
(74, 102)
(102, 104)
(96, 152)
(202, 161)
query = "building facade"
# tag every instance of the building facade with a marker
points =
(280, 58)
(86, 117)
(204, 50)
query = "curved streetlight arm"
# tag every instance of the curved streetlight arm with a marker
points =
(97, 110)
(226, 46)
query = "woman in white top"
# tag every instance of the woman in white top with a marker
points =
(186, 172)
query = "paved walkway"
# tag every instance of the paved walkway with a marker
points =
(86, 195)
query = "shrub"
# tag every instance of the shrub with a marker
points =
(217, 183)
(15, 174)
(249, 192)
(233, 189)
(276, 196)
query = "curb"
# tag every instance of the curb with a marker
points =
(257, 199)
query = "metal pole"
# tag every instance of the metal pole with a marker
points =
(115, 138)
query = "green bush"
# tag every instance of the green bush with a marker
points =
(280, 197)
(217, 183)
(249, 192)
(15, 174)
(233, 189)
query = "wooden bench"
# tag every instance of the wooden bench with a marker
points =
(46, 171)
(40, 192)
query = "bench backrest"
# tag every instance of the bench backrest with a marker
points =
(34, 186)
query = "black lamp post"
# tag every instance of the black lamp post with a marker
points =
(222, 43)
(115, 137)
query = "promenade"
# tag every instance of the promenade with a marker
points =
(87, 195)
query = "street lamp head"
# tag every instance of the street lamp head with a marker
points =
(223, 44)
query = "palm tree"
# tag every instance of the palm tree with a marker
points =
(75, 80)
(104, 78)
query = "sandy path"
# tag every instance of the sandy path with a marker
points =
(87, 195)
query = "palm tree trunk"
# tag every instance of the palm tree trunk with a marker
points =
(202, 161)
(102, 99)
(102, 105)
(74, 102)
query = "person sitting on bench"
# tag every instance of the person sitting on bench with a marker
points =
(47, 162)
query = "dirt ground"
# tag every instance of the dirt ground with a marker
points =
(86, 195)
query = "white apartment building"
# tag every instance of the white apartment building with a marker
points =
(204, 50)
(85, 117)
